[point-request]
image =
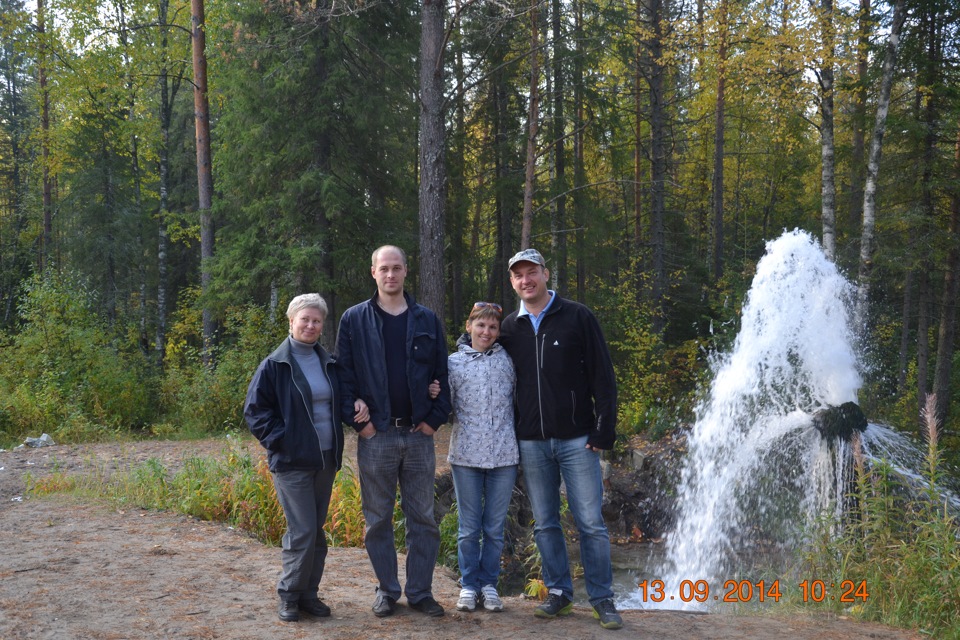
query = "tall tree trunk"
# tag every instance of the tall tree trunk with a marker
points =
(923, 342)
(579, 173)
(658, 166)
(46, 247)
(873, 166)
(533, 118)
(201, 113)
(500, 277)
(718, 143)
(433, 175)
(559, 142)
(828, 187)
(946, 338)
(167, 95)
(638, 117)
(859, 117)
(459, 199)
(906, 315)
(323, 157)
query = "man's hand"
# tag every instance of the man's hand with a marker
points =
(368, 431)
(425, 429)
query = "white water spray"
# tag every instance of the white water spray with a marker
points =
(756, 468)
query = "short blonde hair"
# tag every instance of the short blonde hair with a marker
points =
(307, 301)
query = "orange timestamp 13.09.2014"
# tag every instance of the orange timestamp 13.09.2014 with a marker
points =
(741, 591)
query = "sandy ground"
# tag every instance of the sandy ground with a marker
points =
(88, 571)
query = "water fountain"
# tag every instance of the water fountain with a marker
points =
(759, 466)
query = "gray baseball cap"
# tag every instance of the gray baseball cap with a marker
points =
(527, 255)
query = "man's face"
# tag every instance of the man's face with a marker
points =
(529, 280)
(389, 272)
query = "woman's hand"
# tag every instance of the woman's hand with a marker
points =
(362, 412)
(434, 389)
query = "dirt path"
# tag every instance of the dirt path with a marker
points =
(83, 571)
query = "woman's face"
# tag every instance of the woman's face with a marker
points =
(307, 325)
(483, 332)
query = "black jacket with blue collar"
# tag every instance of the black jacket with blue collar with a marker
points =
(566, 386)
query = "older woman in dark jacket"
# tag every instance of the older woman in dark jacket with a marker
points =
(292, 407)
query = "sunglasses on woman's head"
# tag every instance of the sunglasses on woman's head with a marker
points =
(492, 305)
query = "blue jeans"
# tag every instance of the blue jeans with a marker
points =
(545, 463)
(305, 498)
(483, 497)
(388, 458)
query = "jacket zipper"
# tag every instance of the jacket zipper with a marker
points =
(310, 410)
(540, 352)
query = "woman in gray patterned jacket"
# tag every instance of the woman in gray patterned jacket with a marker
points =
(483, 454)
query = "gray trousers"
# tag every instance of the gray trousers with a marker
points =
(305, 498)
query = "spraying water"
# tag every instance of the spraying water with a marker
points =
(756, 468)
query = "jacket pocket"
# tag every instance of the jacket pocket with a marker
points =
(423, 347)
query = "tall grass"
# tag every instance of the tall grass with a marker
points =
(903, 541)
(234, 487)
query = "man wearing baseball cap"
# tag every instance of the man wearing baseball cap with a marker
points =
(567, 414)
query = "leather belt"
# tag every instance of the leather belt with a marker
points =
(400, 422)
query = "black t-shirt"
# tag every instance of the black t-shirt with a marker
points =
(394, 330)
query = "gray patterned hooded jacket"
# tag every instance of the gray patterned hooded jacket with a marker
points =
(481, 390)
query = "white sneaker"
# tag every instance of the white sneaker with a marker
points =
(491, 599)
(467, 601)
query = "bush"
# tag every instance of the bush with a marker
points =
(66, 372)
(209, 399)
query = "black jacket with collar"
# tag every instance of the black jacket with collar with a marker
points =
(566, 386)
(363, 366)
(279, 411)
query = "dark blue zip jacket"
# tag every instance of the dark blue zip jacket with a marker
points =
(363, 366)
(279, 411)
(566, 386)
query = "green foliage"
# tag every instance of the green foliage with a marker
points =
(655, 382)
(66, 372)
(203, 399)
(449, 531)
(902, 540)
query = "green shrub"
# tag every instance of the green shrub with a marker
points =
(209, 399)
(66, 371)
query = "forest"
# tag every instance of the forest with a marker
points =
(174, 172)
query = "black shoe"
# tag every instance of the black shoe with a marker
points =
(288, 611)
(315, 607)
(383, 606)
(606, 613)
(555, 605)
(428, 606)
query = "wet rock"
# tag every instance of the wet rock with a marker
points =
(839, 423)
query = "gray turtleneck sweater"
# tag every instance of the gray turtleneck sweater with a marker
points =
(321, 393)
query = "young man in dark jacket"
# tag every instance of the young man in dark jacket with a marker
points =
(389, 350)
(567, 413)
